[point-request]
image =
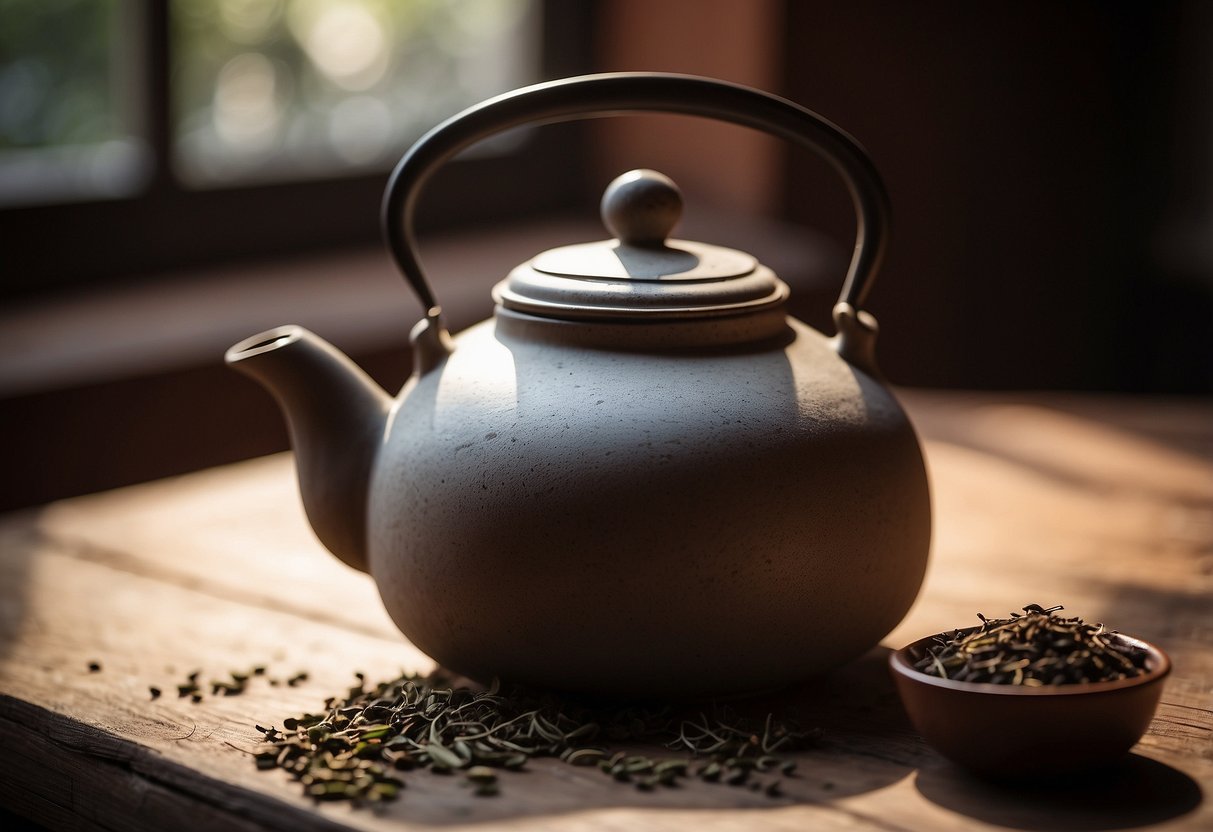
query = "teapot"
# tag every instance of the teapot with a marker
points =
(641, 476)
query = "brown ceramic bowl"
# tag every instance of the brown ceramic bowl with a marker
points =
(1013, 732)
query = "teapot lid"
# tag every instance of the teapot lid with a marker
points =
(641, 273)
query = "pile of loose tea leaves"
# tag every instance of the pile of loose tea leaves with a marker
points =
(1033, 649)
(359, 747)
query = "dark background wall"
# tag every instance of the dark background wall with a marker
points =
(1050, 167)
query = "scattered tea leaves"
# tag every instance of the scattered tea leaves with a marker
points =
(358, 746)
(236, 683)
(1033, 649)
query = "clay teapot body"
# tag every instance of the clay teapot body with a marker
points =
(640, 477)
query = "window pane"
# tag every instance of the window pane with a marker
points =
(66, 101)
(286, 89)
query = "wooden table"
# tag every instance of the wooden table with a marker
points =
(1102, 504)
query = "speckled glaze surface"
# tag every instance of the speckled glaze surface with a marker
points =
(630, 522)
(640, 477)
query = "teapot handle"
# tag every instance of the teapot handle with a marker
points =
(610, 94)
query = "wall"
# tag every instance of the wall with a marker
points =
(1049, 167)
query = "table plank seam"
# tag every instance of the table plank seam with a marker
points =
(80, 549)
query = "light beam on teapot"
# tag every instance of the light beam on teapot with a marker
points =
(489, 376)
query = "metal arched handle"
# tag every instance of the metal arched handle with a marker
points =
(591, 96)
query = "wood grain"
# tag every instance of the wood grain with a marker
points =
(1104, 505)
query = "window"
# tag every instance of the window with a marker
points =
(139, 136)
(267, 90)
(66, 103)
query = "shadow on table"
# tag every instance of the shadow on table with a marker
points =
(1136, 792)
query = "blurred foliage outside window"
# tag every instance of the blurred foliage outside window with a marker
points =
(264, 87)
(260, 90)
(66, 98)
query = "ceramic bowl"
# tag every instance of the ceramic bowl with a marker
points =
(1013, 732)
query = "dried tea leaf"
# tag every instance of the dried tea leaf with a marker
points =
(416, 722)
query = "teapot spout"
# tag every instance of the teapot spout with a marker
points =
(336, 415)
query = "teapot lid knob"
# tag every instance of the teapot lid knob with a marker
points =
(641, 207)
(642, 274)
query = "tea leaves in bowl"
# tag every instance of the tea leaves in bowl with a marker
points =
(1034, 648)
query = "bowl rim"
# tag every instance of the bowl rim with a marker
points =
(900, 664)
